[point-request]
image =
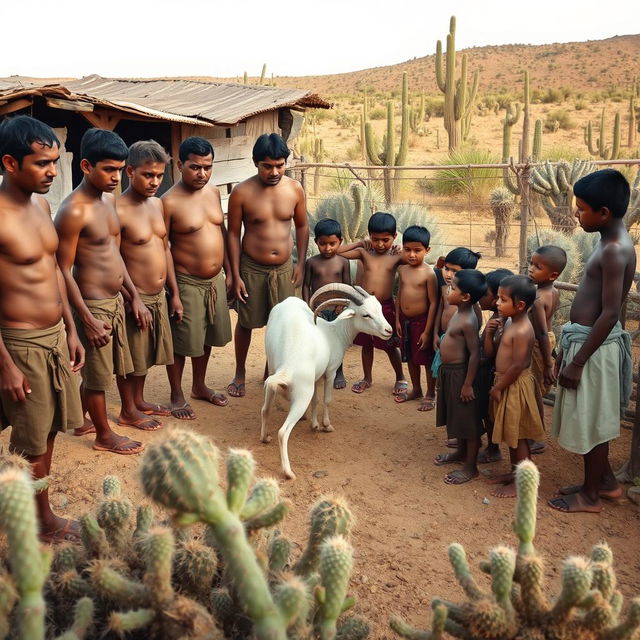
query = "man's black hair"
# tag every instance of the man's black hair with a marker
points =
(194, 145)
(604, 188)
(463, 257)
(520, 288)
(494, 278)
(17, 134)
(415, 233)
(554, 257)
(471, 281)
(381, 222)
(270, 145)
(99, 144)
(327, 227)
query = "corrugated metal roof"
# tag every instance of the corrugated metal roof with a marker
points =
(188, 101)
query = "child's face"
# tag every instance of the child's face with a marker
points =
(589, 219)
(539, 271)
(382, 242)
(505, 304)
(488, 301)
(328, 245)
(455, 296)
(414, 253)
(449, 271)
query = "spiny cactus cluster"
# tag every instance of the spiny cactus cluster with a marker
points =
(516, 608)
(600, 148)
(502, 206)
(232, 577)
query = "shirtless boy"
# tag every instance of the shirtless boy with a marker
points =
(514, 395)
(326, 268)
(594, 363)
(94, 273)
(416, 305)
(460, 352)
(35, 358)
(263, 274)
(145, 251)
(379, 262)
(195, 224)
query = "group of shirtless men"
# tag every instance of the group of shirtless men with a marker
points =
(86, 292)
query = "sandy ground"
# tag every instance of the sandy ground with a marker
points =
(381, 458)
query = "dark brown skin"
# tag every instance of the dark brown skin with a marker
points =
(605, 283)
(320, 271)
(32, 290)
(195, 224)
(90, 261)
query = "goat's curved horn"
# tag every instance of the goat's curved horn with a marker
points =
(364, 293)
(338, 289)
(334, 302)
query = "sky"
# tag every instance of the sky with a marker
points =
(71, 38)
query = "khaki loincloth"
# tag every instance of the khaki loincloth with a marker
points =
(100, 364)
(206, 315)
(151, 346)
(267, 285)
(461, 418)
(537, 364)
(517, 415)
(54, 402)
(590, 415)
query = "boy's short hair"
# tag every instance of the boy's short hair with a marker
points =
(463, 257)
(381, 222)
(552, 256)
(270, 145)
(604, 188)
(17, 134)
(416, 233)
(494, 278)
(473, 282)
(327, 227)
(145, 151)
(520, 288)
(194, 145)
(99, 144)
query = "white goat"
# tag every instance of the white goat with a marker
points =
(302, 349)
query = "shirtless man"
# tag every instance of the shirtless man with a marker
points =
(94, 273)
(195, 224)
(594, 363)
(38, 394)
(145, 250)
(263, 273)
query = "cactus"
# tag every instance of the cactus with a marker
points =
(502, 207)
(600, 148)
(555, 184)
(417, 115)
(631, 140)
(82, 621)
(458, 104)
(632, 216)
(195, 567)
(8, 597)
(263, 73)
(586, 609)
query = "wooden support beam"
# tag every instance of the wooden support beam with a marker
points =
(16, 105)
(103, 119)
(176, 139)
(69, 105)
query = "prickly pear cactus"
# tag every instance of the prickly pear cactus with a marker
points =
(588, 607)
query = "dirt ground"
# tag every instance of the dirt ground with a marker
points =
(381, 458)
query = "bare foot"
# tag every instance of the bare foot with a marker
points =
(575, 503)
(505, 491)
(503, 478)
(428, 403)
(236, 388)
(361, 385)
(607, 494)
(447, 458)
(209, 395)
(86, 428)
(119, 444)
(459, 476)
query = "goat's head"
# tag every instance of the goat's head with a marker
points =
(364, 308)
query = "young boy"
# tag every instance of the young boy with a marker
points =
(460, 352)
(486, 371)
(94, 273)
(326, 268)
(594, 364)
(145, 251)
(514, 395)
(416, 304)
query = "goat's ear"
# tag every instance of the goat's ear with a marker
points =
(347, 313)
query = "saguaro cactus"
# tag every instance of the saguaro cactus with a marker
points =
(632, 114)
(600, 148)
(458, 101)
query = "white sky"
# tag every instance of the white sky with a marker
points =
(210, 38)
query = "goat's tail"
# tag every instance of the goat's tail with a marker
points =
(278, 381)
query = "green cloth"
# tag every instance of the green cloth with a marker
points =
(590, 415)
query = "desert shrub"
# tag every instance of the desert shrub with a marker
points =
(434, 107)
(379, 113)
(580, 105)
(552, 95)
(424, 185)
(561, 117)
(345, 120)
(354, 152)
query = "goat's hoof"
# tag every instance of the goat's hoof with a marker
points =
(328, 428)
(266, 439)
(289, 475)
(316, 426)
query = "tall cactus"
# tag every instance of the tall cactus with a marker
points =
(631, 140)
(633, 210)
(502, 207)
(417, 114)
(458, 101)
(600, 148)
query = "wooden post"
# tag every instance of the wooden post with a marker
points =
(176, 139)
(102, 120)
(634, 458)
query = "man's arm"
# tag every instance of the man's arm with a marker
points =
(539, 322)
(69, 222)
(306, 285)
(472, 340)
(613, 265)
(175, 304)
(76, 350)
(234, 220)
(301, 222)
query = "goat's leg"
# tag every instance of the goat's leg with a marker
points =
(314, 406)
(328, 392)
(299, 403)
(269, 397)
